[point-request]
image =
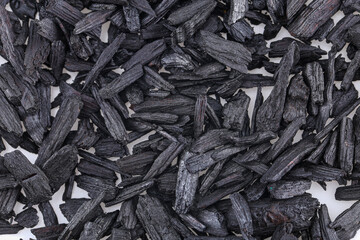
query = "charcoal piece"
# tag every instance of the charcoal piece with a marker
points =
(112, 118)
(31, 178)
(68, 13)
(338, 34)
(156, 80)
(319, 152)
(190, 27)
(258, 102)
(177, 60)
(288, 189)
(199, 115)
(253, 139)
(70, 207)
(210, 140)
(327, 108)
(228, 53)
(356, 121)
(105, 222)
(350, 72)
(30, 100)
(346, 145)
(349, 6)
(134, 94)
(214, 222)
(210, 177)
(103, 59)
(108, 147)
(147, 53)
(61, 126)
(158, 118)
(346, 221)
(121, 82)
(160, 10)
(23, 34)
(47, 28)
(86, 212)
(336, 120)
(80, 45)
(7, 228)
(57, 56)
(7, 181)
(276, 9)
(202, 161)
(120, 234)
(242, 213)
(315, 228)
(85, 136)
(331, 149)
(318, 11)
(252, 154)
(216, 195)
(271, 30)
(308, 53)
(164, 159)
(136, 164)
(155, 219)
(342, 99)
(95, 170)
(131, 15)
(270, 112)
(95, 186)
(186, 186)
(293, 7)
(235, 111)
(92, 21)
(111, 165)
(129, 192)
(10, 121)
(127, 215)
(315, 79)
(324, 30)
(186, 12)
(51, 232)
(241, 31)
(143, 6)
(23, 9)
(27, 218)
(283, 232)
(288, 159)
(59, 167)
(174, 104)
(10, 84)
(238, 9)
(324, 173)
(209, 69)
(255, 191)
(353, 34)
(37, 50)
(49, 215)
(12, 54)
(91, 231)
(296, 99)
(259, 4)
(325, 220)
(8, 200)
(347, 193)
(267, 214)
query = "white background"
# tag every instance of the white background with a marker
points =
(325, 197)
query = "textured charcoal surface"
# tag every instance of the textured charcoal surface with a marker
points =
(146, 106)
